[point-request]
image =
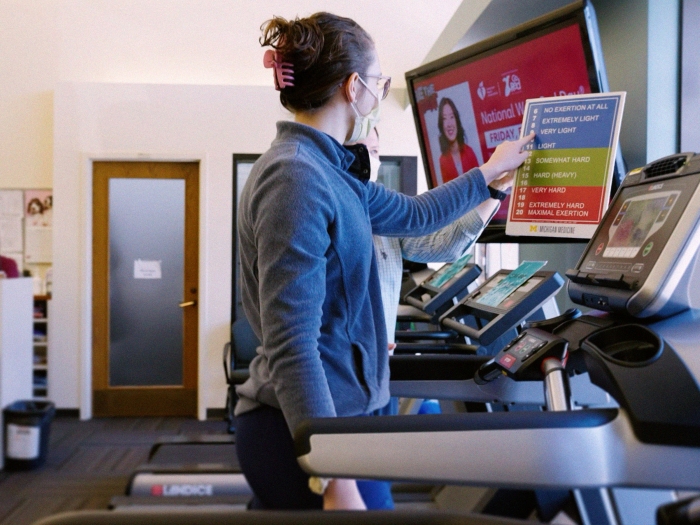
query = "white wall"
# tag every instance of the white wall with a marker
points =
(210, 42)
(142, 121)
(663, 79)
(690, 94)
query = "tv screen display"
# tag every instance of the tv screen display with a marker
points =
(467, 103)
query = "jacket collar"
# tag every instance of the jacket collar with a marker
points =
(361, 166)
(327, 145)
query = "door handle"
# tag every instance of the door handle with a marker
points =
(187, 303)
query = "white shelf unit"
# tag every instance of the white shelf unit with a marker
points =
(40, 342)
(15, 344)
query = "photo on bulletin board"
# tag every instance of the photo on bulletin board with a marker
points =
(38, 222)
(38, 208)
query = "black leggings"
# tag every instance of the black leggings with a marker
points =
(265, 450)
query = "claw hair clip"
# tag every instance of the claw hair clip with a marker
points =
(284, 71)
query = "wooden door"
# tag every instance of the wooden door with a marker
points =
(144, 296)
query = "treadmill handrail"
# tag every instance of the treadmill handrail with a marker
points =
(417, 335)
(435, 348)
(448, 423)
(224, 516)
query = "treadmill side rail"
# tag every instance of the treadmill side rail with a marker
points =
(603, 453)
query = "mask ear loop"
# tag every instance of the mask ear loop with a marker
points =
(283, 73)
(354, 103)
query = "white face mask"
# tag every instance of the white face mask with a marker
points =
(363, 124)
(374, 163)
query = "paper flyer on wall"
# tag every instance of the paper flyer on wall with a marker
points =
(11, 238)
(11, 203)
(562, 189)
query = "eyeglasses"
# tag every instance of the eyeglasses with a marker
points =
(383, 85)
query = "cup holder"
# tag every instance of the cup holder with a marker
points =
(628, 345)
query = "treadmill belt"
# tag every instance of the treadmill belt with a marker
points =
(190, 453)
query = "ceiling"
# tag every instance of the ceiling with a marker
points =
(404, 31)
(206, 41)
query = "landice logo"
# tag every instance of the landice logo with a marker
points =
(511, 83)
(185, 489)
(481, 91)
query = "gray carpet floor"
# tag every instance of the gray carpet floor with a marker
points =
(88, 463)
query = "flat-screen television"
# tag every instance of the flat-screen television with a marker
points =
(475, 97)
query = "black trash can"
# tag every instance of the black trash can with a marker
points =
(26, 432)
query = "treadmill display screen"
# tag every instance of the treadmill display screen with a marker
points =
(448, 271)
(636, 229)
(638, 219)
(517, 295)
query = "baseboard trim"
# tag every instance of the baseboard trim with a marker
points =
(212, 413)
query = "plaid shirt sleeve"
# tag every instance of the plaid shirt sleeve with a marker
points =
(445, 245)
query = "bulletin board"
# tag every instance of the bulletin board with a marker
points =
(26, 226)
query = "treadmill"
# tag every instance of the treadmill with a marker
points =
(474, 329)
(640, 273)
(428, 301)
(187, 470)
(449, 377)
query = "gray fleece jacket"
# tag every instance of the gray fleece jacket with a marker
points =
(310, 287)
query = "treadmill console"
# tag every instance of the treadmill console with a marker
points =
(641, 257)
(521, 359)
(484, 322)
(437, 294)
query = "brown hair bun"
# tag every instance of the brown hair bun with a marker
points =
(324, 49)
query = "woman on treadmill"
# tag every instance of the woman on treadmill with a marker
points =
(309, 279)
